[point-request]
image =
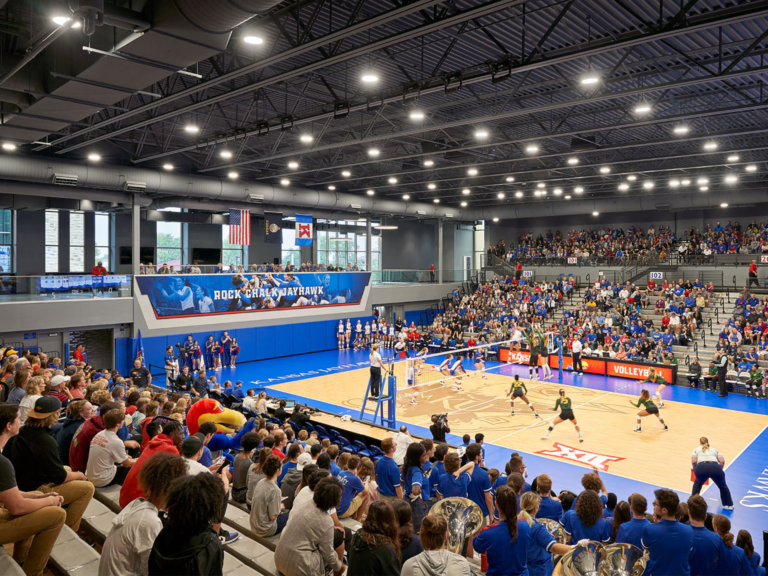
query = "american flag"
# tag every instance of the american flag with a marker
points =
(240, 227)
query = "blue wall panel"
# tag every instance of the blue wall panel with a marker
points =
(265, 342)
(284, 339)
(246, 339)
(317, 339)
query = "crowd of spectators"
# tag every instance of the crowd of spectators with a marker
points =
(196, 268)
(730, 238)
(598, 245)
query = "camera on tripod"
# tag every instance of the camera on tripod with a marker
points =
(440, 419)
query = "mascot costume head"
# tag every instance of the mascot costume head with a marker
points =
(227, 422)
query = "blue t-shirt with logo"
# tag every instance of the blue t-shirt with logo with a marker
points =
(352, 487)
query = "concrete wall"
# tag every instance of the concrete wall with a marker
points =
(413, 246)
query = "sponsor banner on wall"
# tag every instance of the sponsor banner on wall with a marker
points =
(764, 259)
(573, 260)
(638, 371)
(209, 294)
(515, 356)
(590, 365)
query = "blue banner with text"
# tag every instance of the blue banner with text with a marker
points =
(205, 294)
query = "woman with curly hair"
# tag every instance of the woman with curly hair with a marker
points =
(585, 521)
(187, 544)
(735, 562)
(375, 549)
(505, 544)
(127, 548)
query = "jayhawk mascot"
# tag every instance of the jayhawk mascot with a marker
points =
(227, 421)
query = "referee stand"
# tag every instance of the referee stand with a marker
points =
(386, 400)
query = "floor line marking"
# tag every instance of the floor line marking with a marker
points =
(728, 465)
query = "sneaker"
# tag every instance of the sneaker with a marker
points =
(727, 507)
(666, 428)
(581, 439)
(228, 537)
(413, 402)
(536, 414)
(544, 437)
(636, 430)
(512, 412)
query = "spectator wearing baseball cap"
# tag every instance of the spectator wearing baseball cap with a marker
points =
(35, 457)
(59, 389)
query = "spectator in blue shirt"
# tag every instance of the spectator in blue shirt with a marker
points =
(744, 541)
(548, 507)
(437, 470)
(388, 473)
(237, 391)
(668, 541)
(354, 497)
(333, 453)
(480, 486)
(542, 544)
(455, 481)
(631, 532)
(293, 455)
(585, 520)
(735, 561)
(506, 543)
(708, 550)
(415, 483)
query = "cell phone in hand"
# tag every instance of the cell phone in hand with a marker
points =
(223, 464)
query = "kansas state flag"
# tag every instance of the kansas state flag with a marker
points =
(303, 230)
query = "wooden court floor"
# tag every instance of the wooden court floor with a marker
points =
(606, 419)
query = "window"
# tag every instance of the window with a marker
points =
(290, 252)
(76, 242)
(342, 248)
(102, 240)
(6, 240)
(51, 241)
(169, 244)
(231, 253)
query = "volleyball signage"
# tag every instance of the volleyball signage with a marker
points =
(589, 365)
(515, 356)
(638, 371)
(183, 296)
(564, 452)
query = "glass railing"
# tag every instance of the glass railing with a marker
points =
(386, 277)
(64, 287)
(235, 269)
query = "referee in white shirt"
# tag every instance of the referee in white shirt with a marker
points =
(708, 464)
(375, 358)
(576, 355)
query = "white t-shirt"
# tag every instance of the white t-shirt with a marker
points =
(375, 360)
(27, 403)
(206, 305)
(106, 450)
(576, 346)
(402, 441)
(711, 455)
(194, 468)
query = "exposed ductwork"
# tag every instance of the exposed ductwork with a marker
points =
(68, 193)
(116, 62)
(205, 192)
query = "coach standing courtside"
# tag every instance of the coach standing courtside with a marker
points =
(576, 355)
(375, 358)
(721, 361)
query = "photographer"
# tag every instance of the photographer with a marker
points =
(439, 427)
(183, 382)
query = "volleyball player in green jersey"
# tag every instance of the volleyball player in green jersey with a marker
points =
(655, 378)
(566, 413)
(533, 361)
(518, 390)
(648, 408)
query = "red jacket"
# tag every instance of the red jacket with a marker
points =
(77, 355)
(99, 271)
(130, 490)
(81, 443)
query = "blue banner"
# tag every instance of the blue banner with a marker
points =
(207, 294)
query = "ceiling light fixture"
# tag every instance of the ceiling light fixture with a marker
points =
(537, 193)
(750, 168)
(416, 115)
(293, 165)
(472, 172)
(704, 188)
(731, 179)
(623, 186)
(431, 186)
(369, 78)
(567, 196)
(589, 79)
(532, 149)
(724, 205)
(573, 161)
(373, 152)
(406, 196)
(392, 180)
(429, 163)
(285, 181)
(578, 190)
(94, 157)
(495, 219)
(233, 175)
(500, 195)
(702, 181)
(648, 185)
(605, 170)
(685, 182)
(191, 128)
(436, 200)
(61, 20)
(167, 166)
(557, 191)
(733, 158)
(370, 192)
(463, 204)
(226, 154)
(510, 178)
(631, 177)
(306, 138)
(253, 40)
(595, 213)
(9, 146)
(674, 183)
(346, 173)
(680, 130)
(331, 187)
(541, 185)
(518, 194)
(465, 191)
(642, 108)
(76, 24)
(481, 134)
(710, 146)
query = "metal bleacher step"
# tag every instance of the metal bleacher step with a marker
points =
(8, 566)
(71, 555)
(260, 552)
(238, 556)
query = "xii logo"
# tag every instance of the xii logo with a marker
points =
(600, 461)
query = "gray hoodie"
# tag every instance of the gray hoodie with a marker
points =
(126, 550)
(436, 563)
